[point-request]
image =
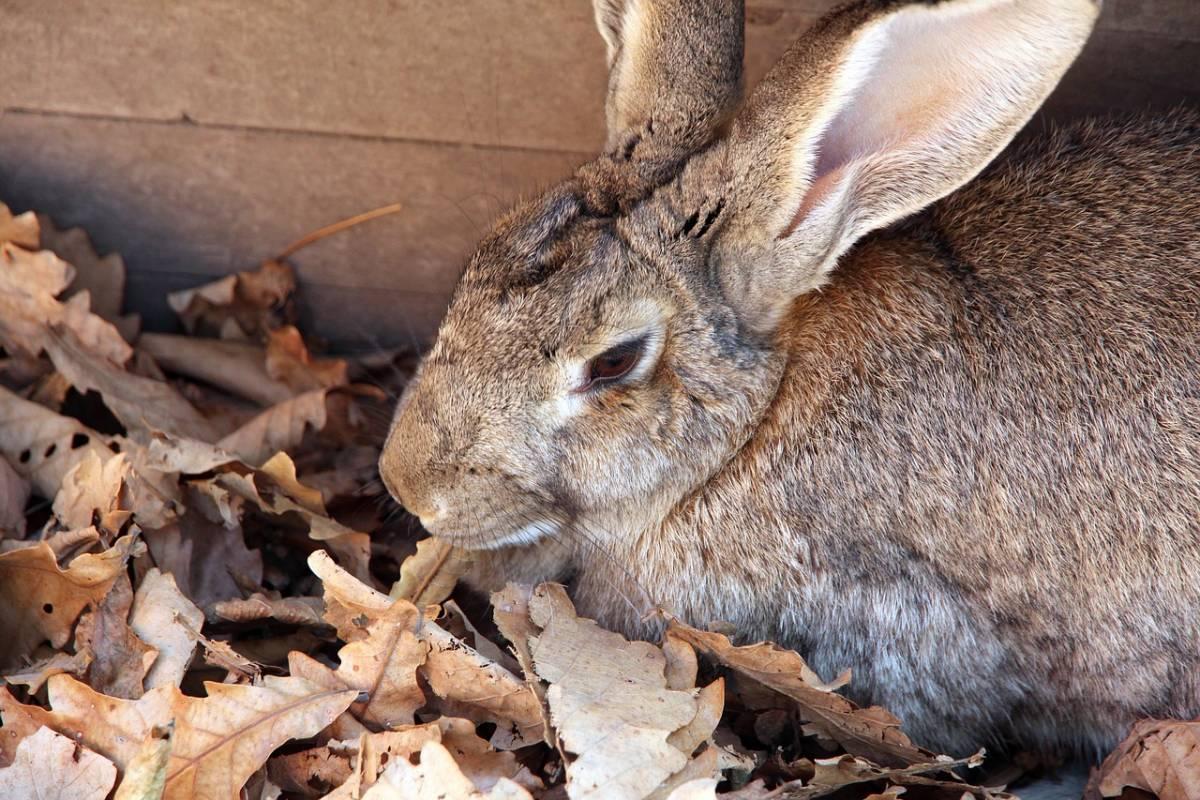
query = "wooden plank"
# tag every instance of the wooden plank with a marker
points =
(479, 71)
(184, 203)
(526, 73)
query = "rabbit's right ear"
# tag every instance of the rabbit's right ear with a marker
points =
(675, 79)
(882, 108)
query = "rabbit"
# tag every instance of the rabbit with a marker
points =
(811, 364)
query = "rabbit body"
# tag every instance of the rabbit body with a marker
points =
(979, 480)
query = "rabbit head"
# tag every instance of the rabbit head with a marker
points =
(614, 342)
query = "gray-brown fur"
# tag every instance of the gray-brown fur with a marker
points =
(967, 465)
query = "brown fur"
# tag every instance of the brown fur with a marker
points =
(967, 465)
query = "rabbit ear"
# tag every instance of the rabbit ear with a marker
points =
(675, 77)
(881, 109)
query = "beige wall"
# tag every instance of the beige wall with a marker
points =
(199, 136)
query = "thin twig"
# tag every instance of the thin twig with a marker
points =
(337, 227)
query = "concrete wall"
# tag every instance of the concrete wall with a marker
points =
(198, 136)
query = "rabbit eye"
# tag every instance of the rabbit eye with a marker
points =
(614, 363)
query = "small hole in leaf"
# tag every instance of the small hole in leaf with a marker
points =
(50, 450)
(48, 608)
(79, 440)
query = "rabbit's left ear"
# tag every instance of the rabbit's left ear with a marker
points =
(675, 78)
(882, 108)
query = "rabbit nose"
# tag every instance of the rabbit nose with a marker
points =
(416, 498)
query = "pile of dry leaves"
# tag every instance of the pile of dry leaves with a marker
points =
(202, 595)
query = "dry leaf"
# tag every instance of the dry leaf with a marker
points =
(14, 494)
(429, 575)
(43, 446)
(830, 775)
(52, 767)
(29, 284)
(146, 773)
(119, 660)
(1160, 756)
(289, 362)
(242, 306)
(91, 494)
(383, 665)
(695, 789)
(140, 403)
(870, 732)
(35, 675)
(167, 621)
(278, 428)
(17, 722)
(466, 683)
(219, 741)
(609, 702)
(472, 636)
(102, 278)
(274, 490)
(312, 772)
(237, 367)
(288, 610)
(437, 777)
(40, 601)
(21, 230)
(484, 766)
(350, 605)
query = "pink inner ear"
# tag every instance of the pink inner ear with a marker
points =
(821, 186)
(912, 88)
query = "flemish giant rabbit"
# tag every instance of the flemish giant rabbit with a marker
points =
(729, 364)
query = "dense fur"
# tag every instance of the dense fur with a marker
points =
(967, 466)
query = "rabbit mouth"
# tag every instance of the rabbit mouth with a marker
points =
(528, 533)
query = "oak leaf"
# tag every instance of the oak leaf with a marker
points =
(311, 772)
(140, 403)
(103, 278)
(467, 683)
(35, 675)
(278, 428)
(609, 702)
(14, 494)
(1160, 756)
(167, 621)
(242, 306)
(233, 366)
(43, 446)
(19, 722)
(383, 665)
(220, 740)
(52, 767)
(258, 606)
(288, 361)
(118, 658)
(869, 732)
(91, 494)
(29, 308)
(41, 601)
(429, 575)
(145, 775)
(437, 777)
(20, 229)
(464, 682)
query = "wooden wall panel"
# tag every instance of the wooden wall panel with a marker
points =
(185, 203)
(195, 137)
